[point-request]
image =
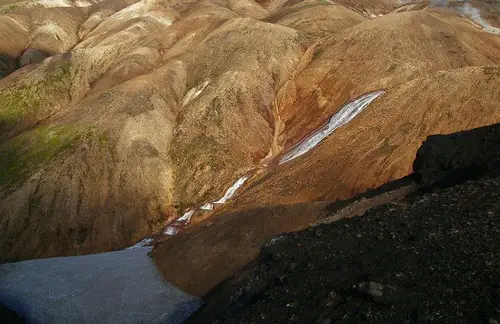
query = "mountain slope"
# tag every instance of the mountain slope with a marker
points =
(378, 146)
(397, 263)
(117, 117)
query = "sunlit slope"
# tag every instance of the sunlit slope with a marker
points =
(118, 116)
(379, 54)
(380, 144)
(104, 144)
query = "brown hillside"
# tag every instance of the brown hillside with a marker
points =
(117, 116)
(378, 146)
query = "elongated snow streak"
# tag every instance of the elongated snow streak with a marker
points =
(492, 30)
(231, 191)
(142, 243)
(207, 206)
(345, 115)
(186, 217)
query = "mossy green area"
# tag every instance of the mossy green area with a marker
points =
(24, 154)
(17, 103)
(8, 2)
(10, 7)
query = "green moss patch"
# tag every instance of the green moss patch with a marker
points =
(9, 8)
(18, 103)
(23, 155)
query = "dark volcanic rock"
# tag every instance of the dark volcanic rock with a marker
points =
(7, 65)
(476, 151)
(430, 258)
(7, 316)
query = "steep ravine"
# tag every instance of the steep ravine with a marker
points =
(345, 114)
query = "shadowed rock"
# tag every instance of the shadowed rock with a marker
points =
(31, 56)
(477, 150)
(7, 65)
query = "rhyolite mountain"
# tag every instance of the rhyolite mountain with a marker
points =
(117, 117)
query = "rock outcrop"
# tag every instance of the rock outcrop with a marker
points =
(463, 154)
(429, 257)
(9, 316)
(31, 56)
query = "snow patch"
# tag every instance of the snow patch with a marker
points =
(345, 115)
(142, 243)
(194, 92)
(207, 206)
(232, 190)
(492, 30)
(186, 217)
(171, 230)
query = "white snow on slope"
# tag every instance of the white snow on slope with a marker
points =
(492, 30)
(186, 217)
(207, 206)
(345, 115)
(142, 243)
(171, 230)
(231, 191)
(194, 92)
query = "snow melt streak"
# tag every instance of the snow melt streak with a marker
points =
(345, 115)
(186, 217)
(231, 191)
(207, 206)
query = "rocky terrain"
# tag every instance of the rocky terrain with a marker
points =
(378, 146)
(206, 129)
(9, 316)
(429, 257)
(118, 117)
